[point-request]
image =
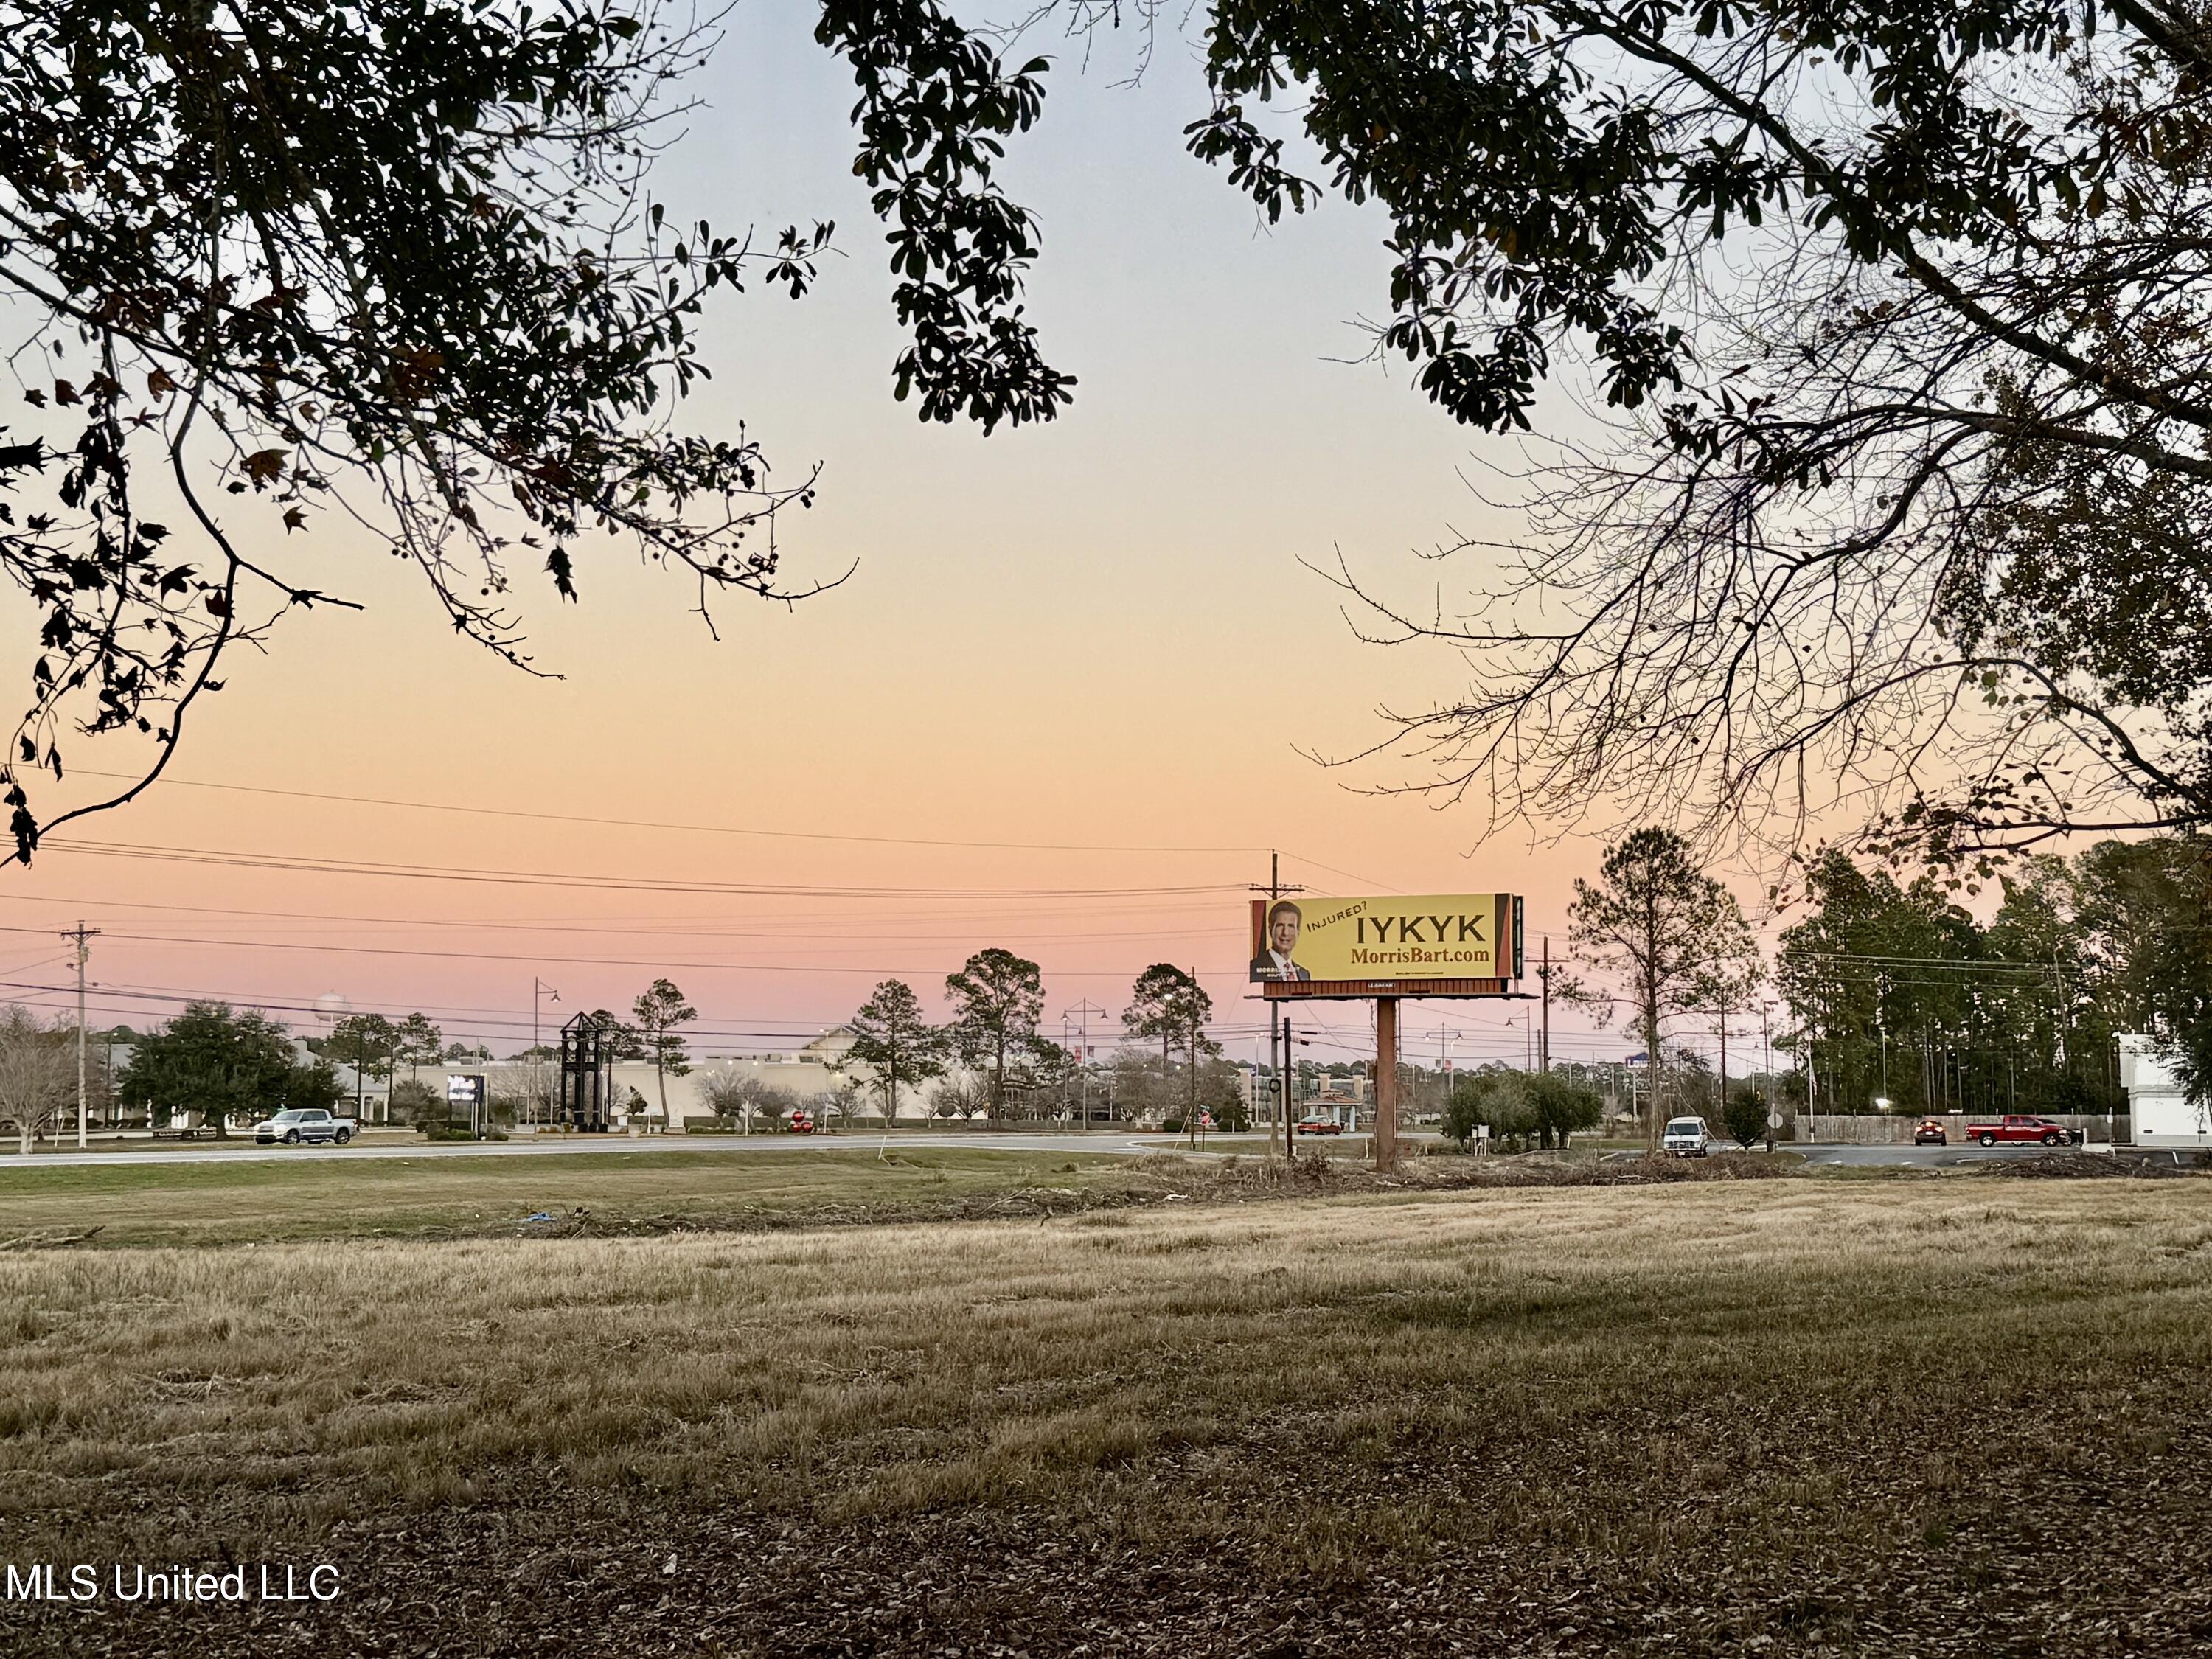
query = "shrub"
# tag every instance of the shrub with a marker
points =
(1744, 1117)
(454, 1132)
(417, 1103)
(1521, 1108)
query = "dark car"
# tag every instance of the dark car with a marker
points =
(1930, 1133)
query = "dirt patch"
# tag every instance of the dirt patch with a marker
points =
(1167, 1179)
(2072, 1166)
(626, 1575)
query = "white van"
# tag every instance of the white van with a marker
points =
(1684, 1137)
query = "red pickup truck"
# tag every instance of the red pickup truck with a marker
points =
(2018, 1127)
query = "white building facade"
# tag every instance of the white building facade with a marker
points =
(2159, 1111)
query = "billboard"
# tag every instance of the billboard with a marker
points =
(1461, 943)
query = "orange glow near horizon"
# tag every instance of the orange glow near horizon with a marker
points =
(1101, 633)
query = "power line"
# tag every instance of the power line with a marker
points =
(686, 828)
(607, 884)
(634, 931)
(585, 961)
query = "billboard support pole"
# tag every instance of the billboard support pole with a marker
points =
(1275, 890)
(1282, 1103)
(1386, 1084)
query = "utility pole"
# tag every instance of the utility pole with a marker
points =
(82, 936)
(1723, 1099)
(1544, 983)
(1811, 1056)
(1278, 1020)
(1385, 1136)
(1081, 1012)
(1766, 1051)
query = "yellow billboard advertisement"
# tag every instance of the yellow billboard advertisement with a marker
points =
(1384, 942)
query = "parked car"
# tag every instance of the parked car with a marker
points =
(1686, 1137)
(1930, 1132)
(1320, 1126)
(308, 1123)
(2018, 1127)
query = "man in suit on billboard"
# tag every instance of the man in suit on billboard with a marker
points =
(1273, 961)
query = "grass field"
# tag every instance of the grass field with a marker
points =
(1954, 1416)
(431, 1196)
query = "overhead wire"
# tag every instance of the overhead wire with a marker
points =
(586, 962)
(199, 855)
(628, 931)
(687, 829)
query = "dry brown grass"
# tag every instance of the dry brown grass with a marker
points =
(227, 1202)
(1704, 1402)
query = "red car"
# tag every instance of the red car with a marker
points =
(1320, 1126)
(1930, 1133)
(2019, 1128)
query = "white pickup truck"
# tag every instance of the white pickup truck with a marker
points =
(308, 1123)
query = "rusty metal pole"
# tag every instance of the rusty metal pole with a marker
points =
(1386, 1084)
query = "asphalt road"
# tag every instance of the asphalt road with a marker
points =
(560, 1145)
(1120, 1142)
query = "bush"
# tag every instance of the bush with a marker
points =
(1171, 1126)
(454, 1132)
(1744, 1117)
(710, 1126)
(1521, 1109)
(416, 1102)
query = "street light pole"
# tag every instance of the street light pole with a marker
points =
(537, 990)
(1082, 1011)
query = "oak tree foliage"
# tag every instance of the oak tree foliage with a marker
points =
(220, 1063)
(292, 279)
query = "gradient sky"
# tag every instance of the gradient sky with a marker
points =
(1098, 633)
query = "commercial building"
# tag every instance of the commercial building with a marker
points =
(2160, 1109)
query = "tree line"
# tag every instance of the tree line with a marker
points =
(227, 1064)
(1896, 990)
(1893, 994)
(996, 1001)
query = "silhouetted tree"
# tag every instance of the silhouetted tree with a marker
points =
(897, 1047)
(219, 1063)
(658, 1010)
(1671, 936)
(997, 999)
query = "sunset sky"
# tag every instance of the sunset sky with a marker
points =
(1094, 635)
